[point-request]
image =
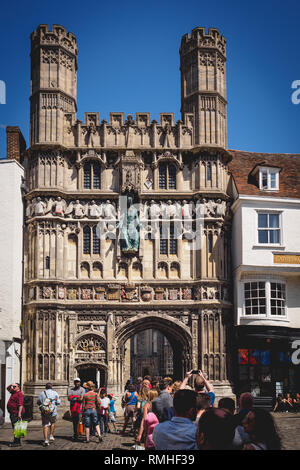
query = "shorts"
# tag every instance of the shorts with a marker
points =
(90, 417)
(112, 417)
(47, 420)
(130, 411)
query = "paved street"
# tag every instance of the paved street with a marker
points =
(288, 426)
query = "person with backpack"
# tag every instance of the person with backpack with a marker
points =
(48, 401)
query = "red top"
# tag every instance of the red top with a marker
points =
(16, 400)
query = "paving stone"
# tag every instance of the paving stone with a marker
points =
(288, 425)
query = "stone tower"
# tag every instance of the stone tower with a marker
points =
(53, 82)
(203, 85)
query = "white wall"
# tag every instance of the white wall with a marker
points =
(254, 262)
(11, 246)
(245, 246)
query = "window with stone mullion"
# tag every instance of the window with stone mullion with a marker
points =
(87, 176)
(96, 242)
(86, 240)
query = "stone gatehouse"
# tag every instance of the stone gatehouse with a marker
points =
(85, 295)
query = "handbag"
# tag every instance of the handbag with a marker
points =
(80, 428)
(20, 428)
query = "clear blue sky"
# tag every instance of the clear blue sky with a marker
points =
(129, 61)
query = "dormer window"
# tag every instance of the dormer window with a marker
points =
(268, 179)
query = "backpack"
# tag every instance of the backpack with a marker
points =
(47, 406)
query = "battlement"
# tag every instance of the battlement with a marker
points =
(199, 38)
(58, 36)
(131, 133)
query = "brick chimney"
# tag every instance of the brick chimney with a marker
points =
(15, 144)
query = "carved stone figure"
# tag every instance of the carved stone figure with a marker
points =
(186, 210)
(109, 210)
(94, 210)
(220, 208)
(91, 132)
(77, 209)
(59, 206)
(154, 210)
(38, 207)
(170, 210)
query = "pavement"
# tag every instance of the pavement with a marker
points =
(288, 425)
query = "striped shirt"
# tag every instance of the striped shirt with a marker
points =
(91, 400)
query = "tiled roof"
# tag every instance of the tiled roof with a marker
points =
(243, 163)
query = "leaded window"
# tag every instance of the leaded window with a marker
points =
(167, 176)
(92, 176)
(87, 240)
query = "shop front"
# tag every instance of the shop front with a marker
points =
(264, 361)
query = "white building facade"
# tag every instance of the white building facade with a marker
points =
(266, 273)
(11, 267)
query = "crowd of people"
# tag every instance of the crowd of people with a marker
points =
(161, 415)
(287, 403)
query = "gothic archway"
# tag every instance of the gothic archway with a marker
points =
(177, 333)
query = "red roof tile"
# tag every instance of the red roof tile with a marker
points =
(243, 163)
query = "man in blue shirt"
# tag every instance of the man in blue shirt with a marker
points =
(180, 432)
(48, 420)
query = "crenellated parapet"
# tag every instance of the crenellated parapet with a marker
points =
(58, 36)
(200, 38)
(140, 133)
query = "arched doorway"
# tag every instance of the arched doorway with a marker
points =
(177, 333)
(94, 372)
(150, 354)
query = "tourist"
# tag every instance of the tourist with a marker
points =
(90, 404)
(148, 378)
(259, 425)
(146, 383)
(15, 408)
(143, 398)
(155, 384)
(104, 412)
(296, 403)
(139, 381)
(202, 404)
(240, 436)
(112, 414)
(215, 430)
(130, 401)
(228, 404)
(164, 401)
(149, 422)
(280, 405)
(48, 401)
(201, 384)
(289, 402)
(179, 433)
(176, 386)
(147, 407)
(246, 404)
(75, 396)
